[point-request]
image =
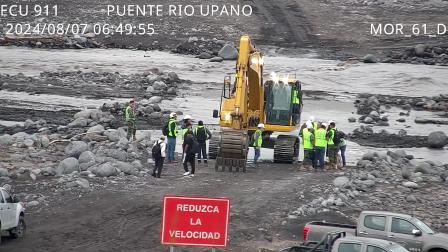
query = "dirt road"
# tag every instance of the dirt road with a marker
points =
(126, 214)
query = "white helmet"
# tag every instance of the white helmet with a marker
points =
(309, 124)
(186, 117)
(260, 125)
(312, 118)
(173, 114)
(330, 122)
(324, 124)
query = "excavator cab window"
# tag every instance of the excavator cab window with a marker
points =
(278, 103)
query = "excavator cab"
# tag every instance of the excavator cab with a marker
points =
(283, 103)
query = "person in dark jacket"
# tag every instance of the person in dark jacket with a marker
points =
(158, 160)
(190, 153)
(202, 134)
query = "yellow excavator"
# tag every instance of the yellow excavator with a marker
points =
(277, 103)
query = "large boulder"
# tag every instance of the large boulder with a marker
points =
(19, 137)
(424, 168)
(75, 148)
(97, 129)
(104, 170)
(437, 139)
(6, 139)
(155, 99)
(45, 141)
(216, 59)
(173, 77)
(123, 143)
(150, 89)
(159, 85)
(86, 160)
(28, 142)
(410, 184)
(420, 50)
(127, 168)
(205, 55)
(82, 182)
(67, 166)
(113, 153)
(228, 52)
(79, 122)
(341, 181)
(369, 58)
(97, 114)
(115, 135)
(4, 172)
(83, 114)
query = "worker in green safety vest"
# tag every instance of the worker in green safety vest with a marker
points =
(186, 125)
(258, 142)
(130, 120)
(171, 137)
(320, 143)
(295, 100)
(332, 147)
(314, 123)
(202, 134)
(308, 146)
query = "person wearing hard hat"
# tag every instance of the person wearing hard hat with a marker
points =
(332, 147)
(186, 125)
(308, 146)
(314, 123)
(172, 134)
(258, 141)
(320, 143)
(130, 120)
(202, 134)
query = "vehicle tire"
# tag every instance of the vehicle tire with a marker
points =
(20, 230)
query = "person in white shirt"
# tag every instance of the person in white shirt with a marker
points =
(158, 154)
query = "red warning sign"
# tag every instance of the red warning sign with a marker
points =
(195, 221)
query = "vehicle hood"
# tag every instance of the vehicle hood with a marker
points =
(439, 238)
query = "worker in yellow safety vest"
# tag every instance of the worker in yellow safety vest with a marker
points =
(320, 143)
(131, 120)
(172, 134)
(308, 146)
(258, 142)
(332, 147)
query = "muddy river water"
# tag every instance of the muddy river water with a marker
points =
(343, 81)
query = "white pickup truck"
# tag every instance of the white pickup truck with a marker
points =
(12, 215)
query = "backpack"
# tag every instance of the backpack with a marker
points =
(201, 135)
(165, 129)
(338, 135)
(156, 151)
(194, 147)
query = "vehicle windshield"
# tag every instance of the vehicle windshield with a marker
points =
(423, 226)
(397, 248)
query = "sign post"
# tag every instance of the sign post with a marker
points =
(195, 221)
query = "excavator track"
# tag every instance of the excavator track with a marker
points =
(213, 145)
(232, 151)
(286, 149)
